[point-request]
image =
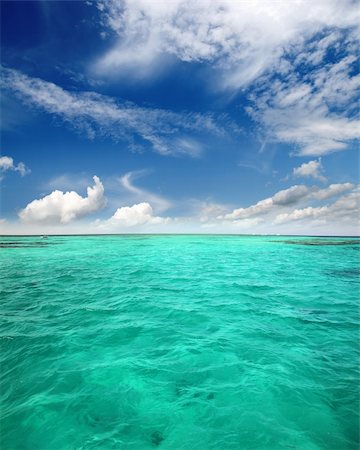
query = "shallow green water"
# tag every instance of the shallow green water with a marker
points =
(179, 342)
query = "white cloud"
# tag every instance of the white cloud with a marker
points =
(345, 208)
(286, 198)
(160, 203)
(241, 38)
(7, 163)
(332, 190)
(282, 198)
(338, 218)
(260, 207)
(291, 195)
(60, 207)
(315, 112)
(304, 97)
(208, 211)
(167, 132)
(138, 215)
(311, 169)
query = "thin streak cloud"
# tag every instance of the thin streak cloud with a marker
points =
(167, 132)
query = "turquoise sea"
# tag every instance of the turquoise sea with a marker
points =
(179, 342)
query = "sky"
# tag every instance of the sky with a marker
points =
(180, 116)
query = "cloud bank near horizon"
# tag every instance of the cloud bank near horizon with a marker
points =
(306, 205)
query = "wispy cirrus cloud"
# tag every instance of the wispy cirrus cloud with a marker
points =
(313, 108)
(240, 39)
(127, 181)
(167, 132)
(278, 50)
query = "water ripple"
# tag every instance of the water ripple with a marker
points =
(179, 342)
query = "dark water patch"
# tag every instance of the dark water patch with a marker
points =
(20, 244)
(156, 438)
(345, 273)
(321, 243)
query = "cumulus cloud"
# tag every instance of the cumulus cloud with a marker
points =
(311, 169)
(138, 215)
(345, 208)
(332, 190)
(242, 39)
(286, 198)
(7, 163)
(260, 207)
(168, 133)
(282, 198)
(291, 195)
(60, 207)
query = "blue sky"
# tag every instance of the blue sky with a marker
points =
(193, 116)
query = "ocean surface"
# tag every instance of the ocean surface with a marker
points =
(179, 342)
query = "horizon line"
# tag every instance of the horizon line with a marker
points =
(183, 234)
